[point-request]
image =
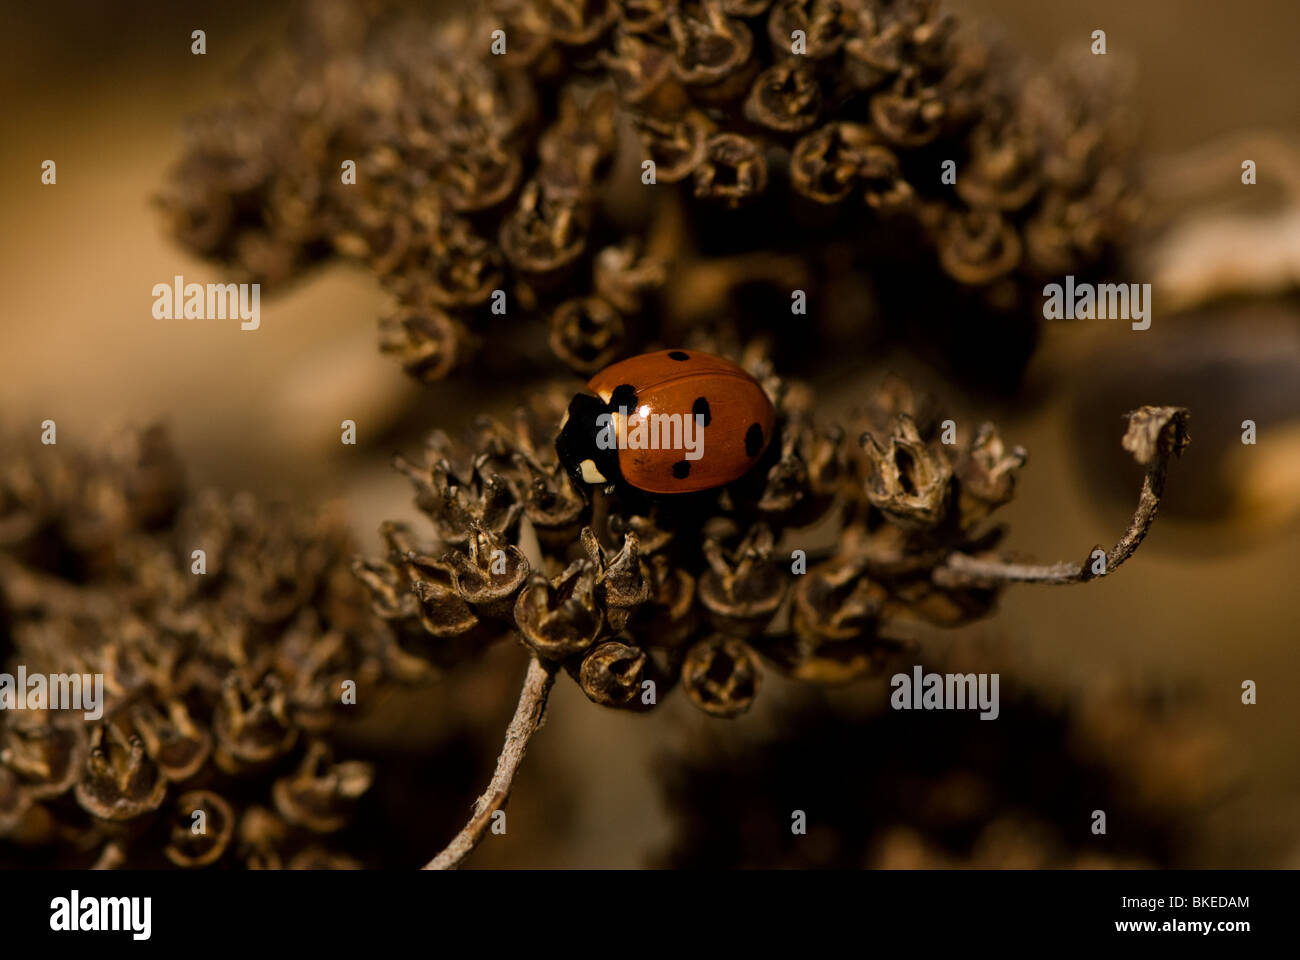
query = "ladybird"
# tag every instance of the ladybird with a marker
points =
(673, 421)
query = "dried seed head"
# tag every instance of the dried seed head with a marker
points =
(785, 98)
(252, 722)
(490, 575)
(611, 673)
(733, 170)
(986, 473)
(978, 246)
(478, 173)
(622, 579)
(910, 481)
(174, 742)
(560, 618)
(743, 587)
(321, 794)
(586, 333)
(721, 676)
(120, 781)
(200, 841)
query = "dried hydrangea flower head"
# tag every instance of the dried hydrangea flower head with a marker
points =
(633, 595)
(501, 186)
(218, 670)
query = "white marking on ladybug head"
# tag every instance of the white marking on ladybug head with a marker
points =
(589, 472)
(564, 419)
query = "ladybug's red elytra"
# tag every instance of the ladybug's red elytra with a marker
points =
(673, 421)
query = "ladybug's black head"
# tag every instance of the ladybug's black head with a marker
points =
(587, 461)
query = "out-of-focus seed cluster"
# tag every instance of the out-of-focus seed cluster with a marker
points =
(478, 172)
(928, 790)
(694, 589)
(221, 689)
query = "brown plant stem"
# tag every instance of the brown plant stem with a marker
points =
(530, 713)
(1154, 434)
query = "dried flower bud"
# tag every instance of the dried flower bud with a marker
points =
(479, 174)
(787, 480)
(743, 588)
(987, 474)
(490, 575)
(175, 742)
(909, 482)
(622, 580)
(574, 150)
(825, 164)
(230, 666)
(785, 98)
(909, 115)
(452, 266)
(586, 333)
(1003, 168)
(642, 70)
(554, 507)
(546, 233)
(456, 508)
(252, 723)
(428, 342)
(321, 795)
(678, 146)
(733, 169)
(611, 673)
(121, 782)
(835, 615)
(623, 276)
(978, 246)
(825, 24)
(261, 835)
(189, 848)
(669, 619)
(47, 758)
(721, 676)
(560, 618)
(714, 51)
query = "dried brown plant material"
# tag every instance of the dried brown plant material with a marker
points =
(785, 98)
(720, 675)
(198, 841)
(320, 794)
(586, 333)
(213, 669)
(120, 782)
(910, 483)
(174, 742)
(733, 169)
(610, 674)
(479, 173)
(696, 589)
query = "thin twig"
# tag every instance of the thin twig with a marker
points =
(529, 716)
(1154, 434)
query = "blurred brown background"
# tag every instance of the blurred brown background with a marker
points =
(1208, 601)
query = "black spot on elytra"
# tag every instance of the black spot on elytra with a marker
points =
(753, 440)
(678, 355)
(701, 409)
(682, 469)
(623, 397)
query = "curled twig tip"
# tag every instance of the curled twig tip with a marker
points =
(1154, 434)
